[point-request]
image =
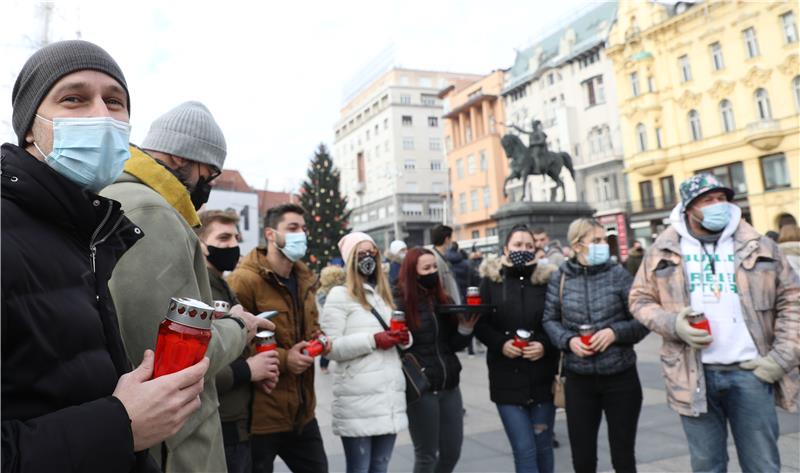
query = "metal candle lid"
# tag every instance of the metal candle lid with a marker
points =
(222, 307)
(398, 315)
(190, 312)
(523, 334)
(265, 336)
(473, 291)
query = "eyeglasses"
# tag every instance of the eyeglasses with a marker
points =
(215, 172)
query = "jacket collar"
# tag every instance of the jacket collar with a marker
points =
(257, 262)
(572, 267)
(746, 241)
(494, 268)
(41, 191)
(143, 167)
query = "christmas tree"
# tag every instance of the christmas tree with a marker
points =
(327, 215)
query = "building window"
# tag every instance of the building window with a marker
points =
(651, 85)
(658, 138)
(604, 188)
(407, 120)
(775, 171)
(427, 99)
(366, 137)
(646, 193)
(448, 143)
(634, 78)
(796, 90)
(694, 125)
(473, 199)
(491, 231)
(436, 165)
(668, 191)
(716, 56)
(437, 187)
(376, 129)
(385, 123)
(471, 165)
(435, 144)
(460, 168)
(462, 202)
(361, 168)
(641, 137)
(476, 234)
(468, 134)
(789, 27)
(763, 108)
(686, 69)
(408, 143)
(487, 198)
(433, 122)
(405, 99)
(484, 162)
(726, 115)
(595, 92)
(730, 175)
(410, 165)
(750, 42)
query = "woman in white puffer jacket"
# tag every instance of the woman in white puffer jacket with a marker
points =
(369, 401)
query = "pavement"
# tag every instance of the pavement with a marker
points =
(660, 442)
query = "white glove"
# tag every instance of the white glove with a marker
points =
(694, 337)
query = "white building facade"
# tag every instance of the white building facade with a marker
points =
(390, 151)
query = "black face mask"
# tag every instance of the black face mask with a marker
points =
(367, 265)
(224, 259)
(200, 193)
(428, 281)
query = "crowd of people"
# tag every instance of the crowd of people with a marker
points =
(99, 235)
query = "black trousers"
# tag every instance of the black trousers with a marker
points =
(302, 452)
(587, 398)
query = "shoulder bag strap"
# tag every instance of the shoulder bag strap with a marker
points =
(561, 300)
(385, 327)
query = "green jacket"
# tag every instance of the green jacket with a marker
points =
(168, 262)
(233, 382)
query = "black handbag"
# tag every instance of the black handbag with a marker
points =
(416, 381)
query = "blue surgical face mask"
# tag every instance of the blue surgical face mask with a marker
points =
(295, 245)
(90, 151)
(598, 253)
(716, 216)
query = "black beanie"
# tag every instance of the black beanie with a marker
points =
(46, 67)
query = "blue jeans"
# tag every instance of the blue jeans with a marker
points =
(237, 457)
(740, 398)
(530, 432)
(368, 454)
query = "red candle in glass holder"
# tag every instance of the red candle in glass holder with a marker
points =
(316, 346)
(265, 341)
(521, 338)
(473, 296)
(398, 321)
(699, 320)
(586, 331)
(183, 336)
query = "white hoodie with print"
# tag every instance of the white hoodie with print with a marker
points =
(713, 290)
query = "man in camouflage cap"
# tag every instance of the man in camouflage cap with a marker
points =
(713, 262)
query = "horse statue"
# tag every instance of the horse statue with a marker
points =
(523, 163)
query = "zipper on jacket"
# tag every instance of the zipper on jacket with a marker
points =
(588, 308)
(92, 244)
(438, 352)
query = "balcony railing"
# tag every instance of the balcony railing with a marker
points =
(651, 205)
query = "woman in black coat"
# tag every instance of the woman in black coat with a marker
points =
(520, 379)
(436, 419)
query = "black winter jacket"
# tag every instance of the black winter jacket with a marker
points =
(520, 305)
(596, 295)
(61, 347)
(436, 342)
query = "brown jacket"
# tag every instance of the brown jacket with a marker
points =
(770, 296)
(291, 405)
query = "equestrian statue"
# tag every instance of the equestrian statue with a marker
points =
(534, 159)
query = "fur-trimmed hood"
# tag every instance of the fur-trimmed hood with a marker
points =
(492, 265)
(393, 257)
(329, 277)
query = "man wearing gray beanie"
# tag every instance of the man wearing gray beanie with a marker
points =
(164, 183)
(70, 400)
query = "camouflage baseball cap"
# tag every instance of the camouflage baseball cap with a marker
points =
(700, 184)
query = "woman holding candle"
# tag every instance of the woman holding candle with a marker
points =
(369, 403)
(436, 419)
(520, 357)
(587, 316)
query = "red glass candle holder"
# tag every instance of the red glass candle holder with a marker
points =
(183, 336)
(522, 337)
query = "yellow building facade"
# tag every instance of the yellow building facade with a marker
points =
(712, 87)
(476, 162)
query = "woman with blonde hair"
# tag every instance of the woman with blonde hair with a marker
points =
(789, 243)
(369, 400)
(586, 315)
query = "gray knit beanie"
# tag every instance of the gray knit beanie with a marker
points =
(190, 132)
(46, 67)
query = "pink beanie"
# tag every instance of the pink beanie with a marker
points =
(350, 241)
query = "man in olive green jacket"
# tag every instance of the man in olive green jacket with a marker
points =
(169, 262)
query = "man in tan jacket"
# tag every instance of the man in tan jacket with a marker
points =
(711, 261)
(274, 278)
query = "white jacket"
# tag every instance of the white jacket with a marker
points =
(368, 385)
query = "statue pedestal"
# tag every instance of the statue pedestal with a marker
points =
(554, 217)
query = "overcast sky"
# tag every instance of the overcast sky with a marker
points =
(273, 74)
